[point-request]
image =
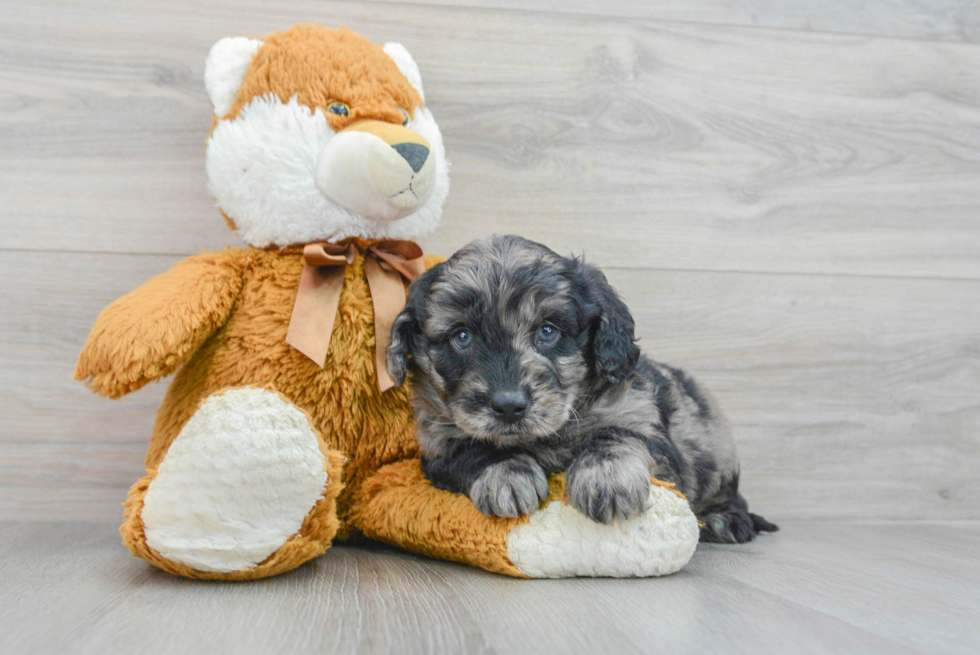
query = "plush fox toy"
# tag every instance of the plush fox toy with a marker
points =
(280, 431)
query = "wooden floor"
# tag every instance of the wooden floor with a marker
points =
(787, 194)
(814, 587)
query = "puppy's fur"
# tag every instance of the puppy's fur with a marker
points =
(587, 402)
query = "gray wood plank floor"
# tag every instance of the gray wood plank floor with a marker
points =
(811, 588)
(792, 215)
(786, 193)
(941, 20)
(812, 370)
(706, 147)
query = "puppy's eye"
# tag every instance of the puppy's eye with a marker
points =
(462, 340)
(339, 108)
(405, 117)
(547, 335)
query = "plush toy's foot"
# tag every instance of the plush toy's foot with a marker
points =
(399, 506)
(246, 490)
(559, 541)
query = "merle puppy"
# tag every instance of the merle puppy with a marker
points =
(523, 363)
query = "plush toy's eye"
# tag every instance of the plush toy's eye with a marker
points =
(339, 108)
(405, 117)
(462, 340)
(547, 335)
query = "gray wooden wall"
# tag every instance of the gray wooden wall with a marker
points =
(788, 195)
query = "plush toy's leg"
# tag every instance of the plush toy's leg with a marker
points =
(246, 490)
(399, 506)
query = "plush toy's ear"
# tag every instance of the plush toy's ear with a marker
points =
(613, 344)
(408, 67)
(226, 66)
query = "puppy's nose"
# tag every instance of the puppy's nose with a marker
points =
(509, 406)
(414, 153)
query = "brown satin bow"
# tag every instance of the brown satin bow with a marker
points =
(385, 263)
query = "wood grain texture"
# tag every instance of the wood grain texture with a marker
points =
(850, 397)
(655, 144)
(867, 575)
(792, 215)
(50, 303)
(64, 452)
(672, 153)
(862, 396)
(941, 20)
(811, 588)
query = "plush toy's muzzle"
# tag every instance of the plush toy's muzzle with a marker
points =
(377, 169)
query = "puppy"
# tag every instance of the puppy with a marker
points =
(524, 363)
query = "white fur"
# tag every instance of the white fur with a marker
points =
(262, 172)
(225, 69)
(406, 64)
(558, 541)
(236, 483)
(361, 172)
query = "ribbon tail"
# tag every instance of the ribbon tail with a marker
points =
(315, 311)
(388, 297)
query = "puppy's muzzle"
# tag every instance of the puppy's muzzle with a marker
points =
(379, 170)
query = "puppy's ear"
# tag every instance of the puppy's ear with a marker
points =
(612, 340)
(405, 331)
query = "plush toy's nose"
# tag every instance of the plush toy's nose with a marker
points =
(414, 153)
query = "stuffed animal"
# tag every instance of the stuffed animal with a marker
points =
(281, 431)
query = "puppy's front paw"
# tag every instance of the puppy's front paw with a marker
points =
(510, 488)
(605, 487)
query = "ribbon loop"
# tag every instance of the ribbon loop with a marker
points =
(404, 256)
(385, 264)
(329, 254)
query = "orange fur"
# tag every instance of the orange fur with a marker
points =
(250, 349)
(231, 327)
(312, 540)
(321, 66)
(399, 506)
(149, 332)
(219, 321)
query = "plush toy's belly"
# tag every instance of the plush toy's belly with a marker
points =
(342, 398)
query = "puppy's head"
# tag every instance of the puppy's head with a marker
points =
(504, 337)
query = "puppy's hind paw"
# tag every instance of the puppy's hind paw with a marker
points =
(510, 488)
(732, 523)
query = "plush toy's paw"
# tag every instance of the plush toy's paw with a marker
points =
(245, 490)
(558, 541)
(399, 506)
(605, 488)
(510, 488)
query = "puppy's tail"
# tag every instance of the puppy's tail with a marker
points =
(762, 525)
(732, 523)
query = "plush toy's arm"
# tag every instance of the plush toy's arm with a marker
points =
(149, 332)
